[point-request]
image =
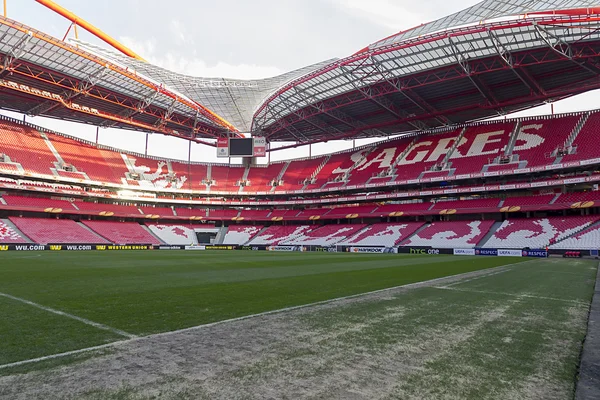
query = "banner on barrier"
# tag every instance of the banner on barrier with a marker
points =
(510, 253)
(486, 252)
(172, 247)
(425, 252)
(464, 252)
(535, 253)
(283, 248)
(195, 247)
(366, 249)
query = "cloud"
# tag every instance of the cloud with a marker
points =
(388, 13)
(194, 66)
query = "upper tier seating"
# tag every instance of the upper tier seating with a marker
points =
(586, 141)
(24, 145)
(46, 230)
(226, 177)
(480, 145)
(383, 234)
(240, 234)
(379, 160)
(424, 154)
(260, 178)
(8, 235)
(174, 234)
(537, 139)
(37, 203)
(535, 233)
(326, 235)
(451, 234)
(588, 239)
(122, 232)
(298, 171)
(276, 234)
(528, 201)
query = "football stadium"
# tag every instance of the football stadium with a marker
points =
(452, 254)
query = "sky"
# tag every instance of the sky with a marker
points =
(243, 39)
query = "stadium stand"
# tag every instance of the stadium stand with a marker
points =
(586, 142)
(191, 212)
(276, 234)
(536, 233)
(298, 171)
(551, 132)
(424, 154)
(471, 205)
(457, 234)
(241, 234)
(162, 211)
(588, 239)
(255, 215)
(174, 234)
(107, 207)
(37, 203)
(260, 178)
(122, 232)
(480, 145)
(46, 230)
(383, 234)
(8, 235)
(25, 146)
(326, 235)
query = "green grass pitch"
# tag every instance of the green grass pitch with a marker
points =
(149, 292)
(507, 332)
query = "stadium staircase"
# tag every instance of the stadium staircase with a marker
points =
(317, 171)
(279, 177)
(221, 235)
(513, 140)
(2, 201)
(258, 234)
(573, 135)
(153, 234)
(9, 223)
(87, 228)
(491, 232)
(454, 146)
(409, 237)
(555, 198)
(244, 178)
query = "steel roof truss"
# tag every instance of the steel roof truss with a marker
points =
(15, 53)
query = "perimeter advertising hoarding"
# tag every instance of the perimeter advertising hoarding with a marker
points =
(535, 253)
(464, 252)
(510, 253)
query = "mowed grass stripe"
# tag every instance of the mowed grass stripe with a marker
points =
(152, 292)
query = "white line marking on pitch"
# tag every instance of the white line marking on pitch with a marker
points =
(491, 271)
(75, 317)
(529, 296)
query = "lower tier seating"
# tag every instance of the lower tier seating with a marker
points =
(276, 234)
(536, 233)
(175, 234)
(383, 234)
(451, 234)
(588, 239)
(46, 230)
(240, 234)
(122, 232)
(10, 235)
(326, 235)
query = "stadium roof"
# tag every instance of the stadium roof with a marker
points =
(235, 100)
(490, 59)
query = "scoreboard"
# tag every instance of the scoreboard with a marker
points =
(241, 147)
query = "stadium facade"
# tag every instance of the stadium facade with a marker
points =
(451, 179)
